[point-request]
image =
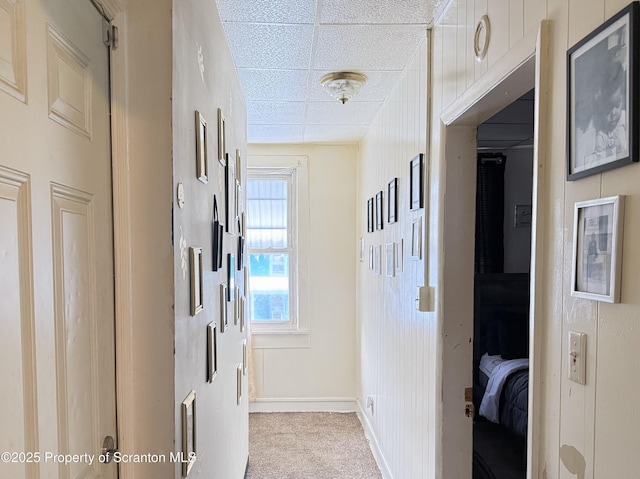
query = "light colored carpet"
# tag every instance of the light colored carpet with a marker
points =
(313, 445)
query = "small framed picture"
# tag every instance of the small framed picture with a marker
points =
(371, 259)
(370, 216)
(416, 182)
(212, 352)
(602, 97)
(416, 238)
(230, 196)
(361, 249)
(202, 165)
(391, 259)
(379, 211)
(222, 142)
(231, 277)
(238, 167)
(239, 384)
(377, 260)
(399, 255)
(224, 317)
(245, 357)
(195, 263)
(597, 249)
(392, 201)
(188, 433)
(242, 313)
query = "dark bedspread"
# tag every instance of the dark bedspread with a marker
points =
(514, 401)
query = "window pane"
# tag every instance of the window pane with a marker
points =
(267, 213)
(269, 282)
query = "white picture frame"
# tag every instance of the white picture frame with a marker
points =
(391, 260)
(212, 352)
(195, 264)
(202, 162)
(597, 249)
(188, 433)
(416, 238)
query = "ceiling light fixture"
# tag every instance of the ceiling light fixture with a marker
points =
(343, 85)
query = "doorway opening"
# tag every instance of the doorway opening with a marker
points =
(501, 291)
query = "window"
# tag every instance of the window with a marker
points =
(276, 189)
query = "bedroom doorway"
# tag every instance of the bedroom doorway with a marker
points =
(501, 291)
(509, 82)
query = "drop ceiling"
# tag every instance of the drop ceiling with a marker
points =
(281, 49)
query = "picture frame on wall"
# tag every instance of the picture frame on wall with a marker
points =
(202, 164)
(212, 352)
(196, 283)
(391, 260)
(370, 216)
(597, 249)
(602, 97)
(217, 238)
(222, 141)
(188, 433)
(379, 207)
(224, 317)
(416, 238)
(416, 182)
(231, 277)
(392, 201)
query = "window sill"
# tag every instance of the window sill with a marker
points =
(280, 340)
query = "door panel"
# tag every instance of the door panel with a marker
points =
(56, 237)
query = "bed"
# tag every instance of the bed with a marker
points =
(501, 340)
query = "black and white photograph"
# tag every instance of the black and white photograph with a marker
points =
(370, 219)
(416, 188)
(597, 249)
(602, 92)
(379, 207)
(392, 201)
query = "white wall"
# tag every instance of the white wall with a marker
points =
(397, 344)
(323, 374)
(222, 424)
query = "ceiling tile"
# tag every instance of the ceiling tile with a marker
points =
(275, 133)
(268, 11)
(351, 113)
(370, 47)
(381, 11)
(334, 133)
(275, 112)
(379, 85)
(273, 84)
(255, 45)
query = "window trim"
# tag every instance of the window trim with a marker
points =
(295, 332)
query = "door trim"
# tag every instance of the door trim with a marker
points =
(519, 71)
(122, 242)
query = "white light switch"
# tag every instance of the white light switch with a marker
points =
(577, 357)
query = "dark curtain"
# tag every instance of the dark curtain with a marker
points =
(490, 213)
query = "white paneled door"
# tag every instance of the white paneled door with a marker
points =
(57, 365)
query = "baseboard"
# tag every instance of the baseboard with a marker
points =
(373, 442)
(303, 405)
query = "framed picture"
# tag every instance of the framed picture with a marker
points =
(188, 433)
(242, 306)
(195, 263)
(602, 97)
(212, 352)
(371, 259)
(392, 201)
(245, 357)
(231, 277)
(361, 249)
(239, 384)
(370, 216)
(416, 183)
(217, 238)
(238, 167)
(224, 318)
(597, 249)
(202, 165)
(236, 309)
(399, 255)
(377, 260)
(222, 142)
(391, 259)
(379, 211)
(416, 238)
(230, 196)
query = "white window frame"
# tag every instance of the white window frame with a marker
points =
(293, 333)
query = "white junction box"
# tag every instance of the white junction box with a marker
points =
(577, 357)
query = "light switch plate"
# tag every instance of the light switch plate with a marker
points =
(577, 357)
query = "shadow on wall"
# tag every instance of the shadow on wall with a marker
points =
(573, 460)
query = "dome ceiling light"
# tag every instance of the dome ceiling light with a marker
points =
(343, 85)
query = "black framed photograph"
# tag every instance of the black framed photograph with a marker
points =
(392, 201)
(602, 97)
(212, 352)
(202, 165)
(370, 218)
(195, 264)
(231, 277)
(597, 249)
(416, 183)
(188, 433)
(379, 211)
(217, 238)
